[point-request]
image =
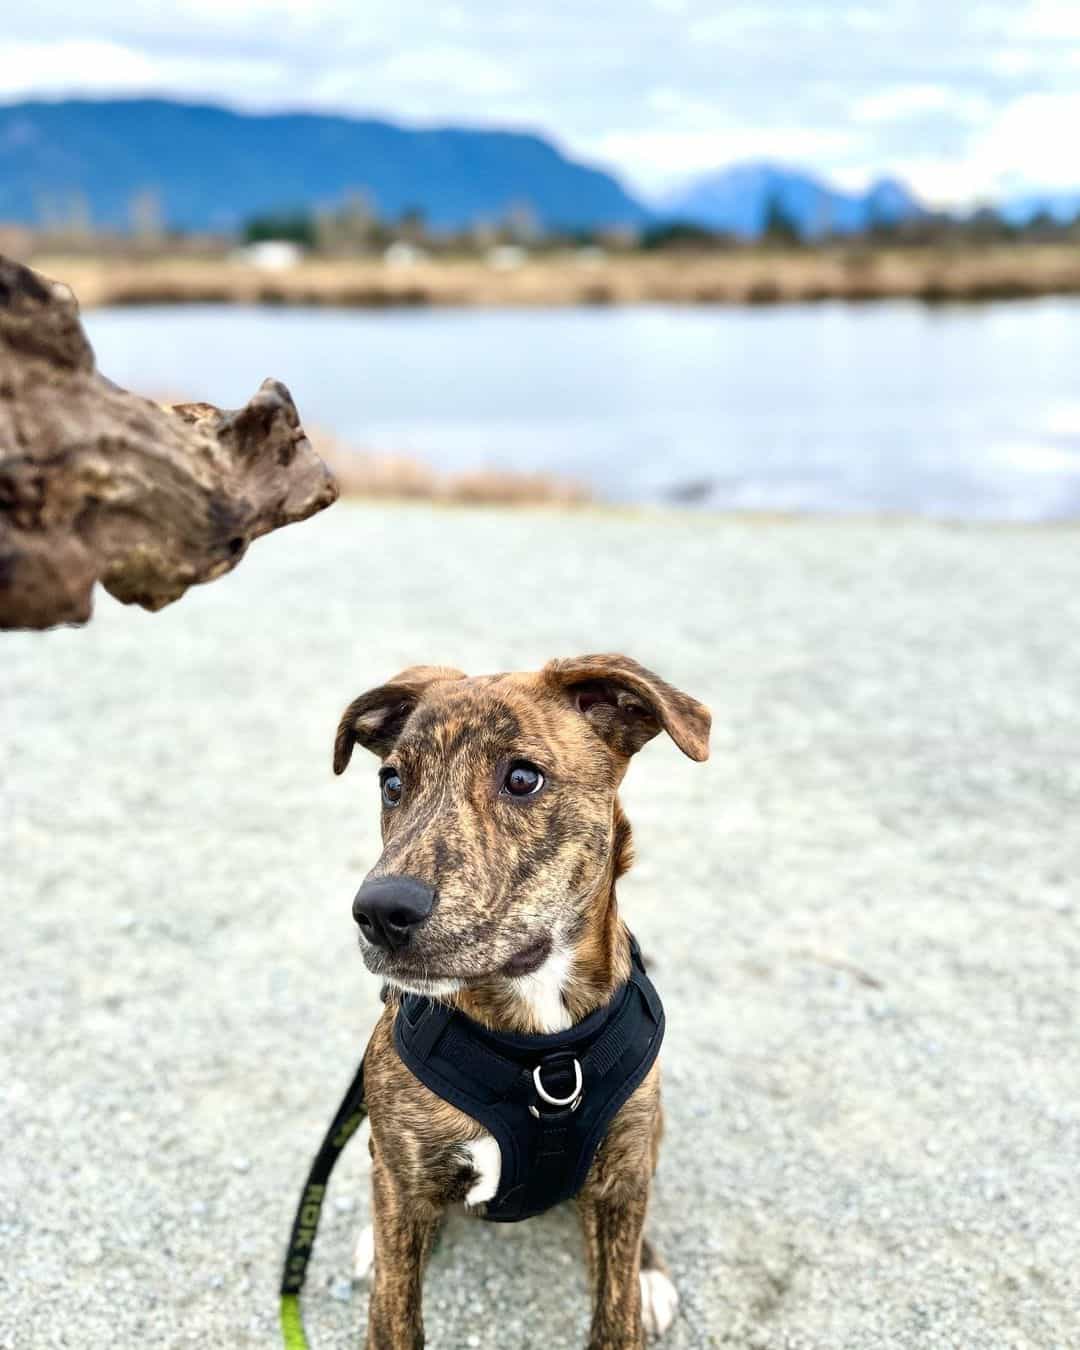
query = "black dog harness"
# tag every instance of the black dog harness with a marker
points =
(548, 1100)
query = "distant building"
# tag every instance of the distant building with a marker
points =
(403, 254)
(271, 255)
(505, 257)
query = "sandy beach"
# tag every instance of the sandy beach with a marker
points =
(863, 915)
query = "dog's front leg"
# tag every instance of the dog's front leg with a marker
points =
(404, 1229)
(613, 1223)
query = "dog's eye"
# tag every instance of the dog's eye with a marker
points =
(391, 789)
(523, 779)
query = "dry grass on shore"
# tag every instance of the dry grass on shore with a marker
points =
(744, 276)
(403, 477)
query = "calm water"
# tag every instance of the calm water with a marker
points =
(969, 412)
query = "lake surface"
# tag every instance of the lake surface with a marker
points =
(967, 412)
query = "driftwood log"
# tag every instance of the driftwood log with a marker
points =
(97, 484)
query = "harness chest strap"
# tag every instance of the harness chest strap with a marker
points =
(547, 1100)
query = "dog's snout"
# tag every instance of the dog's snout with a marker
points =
(387, 909)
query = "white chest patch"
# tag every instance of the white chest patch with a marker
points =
(542, 991)
(487, 1164)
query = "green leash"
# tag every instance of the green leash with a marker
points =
(346, 1122)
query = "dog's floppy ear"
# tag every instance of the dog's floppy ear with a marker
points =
(627, 705)
(375, 719)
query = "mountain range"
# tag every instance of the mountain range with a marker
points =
(213, 168)
(740, 201)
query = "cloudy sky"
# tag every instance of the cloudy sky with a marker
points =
(965, 100)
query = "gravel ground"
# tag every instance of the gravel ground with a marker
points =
(862, 913)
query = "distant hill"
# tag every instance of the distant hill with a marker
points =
(1062, 207)
(212, 168)
(738, 200)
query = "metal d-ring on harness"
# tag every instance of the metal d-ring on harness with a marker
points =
(547, 1100)
(573, 1100)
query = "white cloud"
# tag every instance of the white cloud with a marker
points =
(1013, 62)
(46, 67)
(942, 182)
(448, 67)
(898, 102)
(1032, 141)
(1057, 20)
(1027, 146)
(76, 65)
(662, 158)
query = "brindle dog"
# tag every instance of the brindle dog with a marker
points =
(503, 840)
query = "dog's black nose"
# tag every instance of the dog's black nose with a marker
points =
(389, 908)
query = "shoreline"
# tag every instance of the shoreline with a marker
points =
(748, 277)
(390, 479)
(671, 514)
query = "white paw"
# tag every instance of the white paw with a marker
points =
(659, 1302)
(364, 1253)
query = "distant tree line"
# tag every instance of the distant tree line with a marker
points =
(354, 227)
